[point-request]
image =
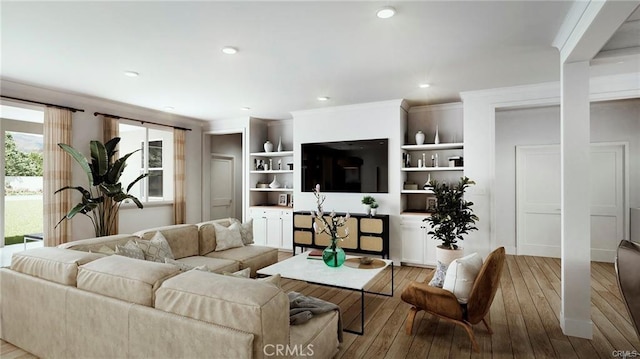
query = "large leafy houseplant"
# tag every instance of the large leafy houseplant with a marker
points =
(453, 216)
(101, 201)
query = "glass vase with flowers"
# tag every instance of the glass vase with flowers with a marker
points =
(333, 255)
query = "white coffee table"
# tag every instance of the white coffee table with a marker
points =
(314, 271)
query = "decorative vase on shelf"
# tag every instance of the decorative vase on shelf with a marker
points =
(367, 209)
(274, 183)
(268, 146)
(436, 140)
(374, 211)
(333, 256)
(419, 138)
(280, 144)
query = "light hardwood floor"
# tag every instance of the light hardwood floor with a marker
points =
(524, 318)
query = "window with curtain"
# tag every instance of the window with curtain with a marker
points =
(154, 156)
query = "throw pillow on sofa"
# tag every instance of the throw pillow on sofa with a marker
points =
(246, 230)
(227, 237)
(461, 274)
(243, 273)
(156, 249)
(131, 250)
(185, 267)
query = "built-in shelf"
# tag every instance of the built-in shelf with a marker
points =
(272, 154)
(431, 169)
(434, 147)
(274, 171)
(271, 189)
(416, 191)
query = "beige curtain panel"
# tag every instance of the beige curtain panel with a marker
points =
(111, 129)
(57, 174)
(179, 200)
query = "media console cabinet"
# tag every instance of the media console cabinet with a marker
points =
(367, 234)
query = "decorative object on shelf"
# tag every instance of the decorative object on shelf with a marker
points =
(275, 183)
(279, 164)
(333, 255)
(428, 183)
(424, 159)
(101, 201)
(434, 160)
(367, 201)
(271, 164)
(282, 199)
(280, 144)
(419, 163)
(410, 186)
(262, 185)
(432, 204)
(436, 139)
(268, 146)
(452, 218)
(374, 208)
(456, 161)
(265, 167)
(419, 138)
(406, 160)
(290, 165)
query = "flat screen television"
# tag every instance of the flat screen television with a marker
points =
(346, 166)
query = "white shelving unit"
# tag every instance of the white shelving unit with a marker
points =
(417, 245)
(273, 225)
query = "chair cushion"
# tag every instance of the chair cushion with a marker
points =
(251, 256)
(125, 278)
(51, 263)
(461, 274)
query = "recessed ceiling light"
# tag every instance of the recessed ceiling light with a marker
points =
(245, 108)
(386, 12)
(424, 85)
(131, 74)
(169, 108)
(323, 98)
(229, 50)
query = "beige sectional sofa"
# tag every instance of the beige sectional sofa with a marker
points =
(66, 302)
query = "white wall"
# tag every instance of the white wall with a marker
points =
(611, 121)
(355, 122)
(479, 131)
(86, 126)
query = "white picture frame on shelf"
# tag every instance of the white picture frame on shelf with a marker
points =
(282, 199)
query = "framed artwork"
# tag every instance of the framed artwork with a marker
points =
(432, 203)
(282, 199)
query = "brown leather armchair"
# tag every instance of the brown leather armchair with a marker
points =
(627, 268)
(444, 304)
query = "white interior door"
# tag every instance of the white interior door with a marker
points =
(538, 200)
(222, 191)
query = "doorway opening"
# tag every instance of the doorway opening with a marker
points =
(223, 181)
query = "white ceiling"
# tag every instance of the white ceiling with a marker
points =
(289, 52)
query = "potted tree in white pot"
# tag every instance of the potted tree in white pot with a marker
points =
(452, 218)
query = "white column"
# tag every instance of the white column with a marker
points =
(575, 315)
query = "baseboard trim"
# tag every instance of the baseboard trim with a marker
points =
(576, 328)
